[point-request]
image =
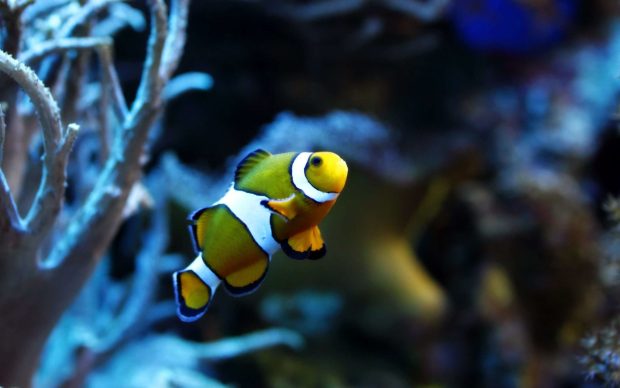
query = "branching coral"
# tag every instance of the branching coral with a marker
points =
(47, 250)
(166, 360)
(101, 339)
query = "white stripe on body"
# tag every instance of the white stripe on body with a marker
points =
(301, 181)
(256, 217)
(204, 273)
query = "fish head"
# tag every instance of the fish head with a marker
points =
(326, 171)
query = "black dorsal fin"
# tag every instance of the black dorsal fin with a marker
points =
(249, 162)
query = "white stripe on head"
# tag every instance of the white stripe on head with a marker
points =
(300, 181)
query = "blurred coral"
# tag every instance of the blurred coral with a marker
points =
(602, 358)
(513, 26)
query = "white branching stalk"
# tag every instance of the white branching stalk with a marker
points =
(40, 96)
(102, 212)
(61, 45)
(120, 16)
(225, 348)
(40, 9)
(10, 19)
(83, 16)
(148, 98)
(56, 143)
(186, 83)
(178, 24)
(47, 256)
(119, 105)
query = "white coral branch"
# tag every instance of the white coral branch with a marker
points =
(10, 221)
(187, 82)
(60, 45)
(175, 42)
(44, 103)
(83, 15)
(113, 83)
(236, 346)
(49, 198)
(120, 16)
(148, 95)
(93, 226)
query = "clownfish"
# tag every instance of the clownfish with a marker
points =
(275, 201)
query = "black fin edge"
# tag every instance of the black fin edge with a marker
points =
(265, 203)
(293, 254)
(307, 254)
(245, 290)
(195, 215)
(192, 218)
(193, 233)
(319, 254)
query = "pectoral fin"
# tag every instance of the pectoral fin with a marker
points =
(284, 207)
(305, 245)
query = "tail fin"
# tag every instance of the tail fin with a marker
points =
(194, 287)
(192, 295)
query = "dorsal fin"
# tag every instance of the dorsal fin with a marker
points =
(249, 162)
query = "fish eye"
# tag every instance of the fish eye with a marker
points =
(316, 161)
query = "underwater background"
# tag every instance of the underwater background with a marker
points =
(476, 243)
